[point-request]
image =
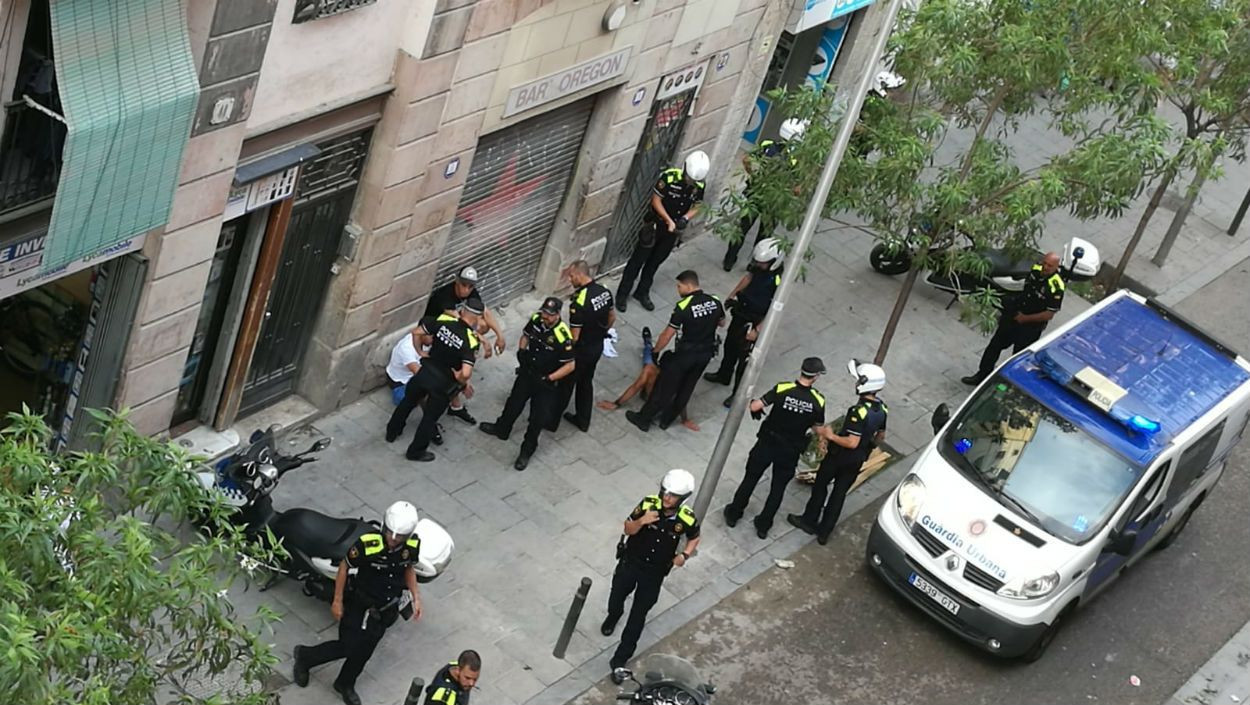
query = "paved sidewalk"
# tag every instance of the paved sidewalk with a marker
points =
(1223, 680)
(524, 540)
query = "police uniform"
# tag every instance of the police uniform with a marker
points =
(1040, 293)
(453, 344)
(547, 349)
(749, 308)
(782, 438)
(769, 149)
(642, 566)
(677, 195)
(370, 606)
(841, 465)
(695, 318)
(444, 690)
(589, 310)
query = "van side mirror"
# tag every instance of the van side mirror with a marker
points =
(1122, 542)
(941, 415)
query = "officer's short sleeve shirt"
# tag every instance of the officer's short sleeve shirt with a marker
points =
(794, 410)
(453, 343)
(588, 310)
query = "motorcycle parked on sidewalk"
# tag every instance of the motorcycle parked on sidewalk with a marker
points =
(668, 680)
(316, 542)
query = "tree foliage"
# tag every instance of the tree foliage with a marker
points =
(107, 597)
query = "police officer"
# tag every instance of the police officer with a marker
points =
(674, 203)
(590, 317)
(796, 409)
(451, 296)
(790, 132)
(383, 563)
(696, 317)
(452, 684)
(749, 302)
(862, 429)
(1024, 316)
(447, 369)
(653, 533)
(546, 357)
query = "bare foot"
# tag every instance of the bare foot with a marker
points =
(690, 425)
(607, 405)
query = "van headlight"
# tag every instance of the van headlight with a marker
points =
(1031, 589)
(909, 498)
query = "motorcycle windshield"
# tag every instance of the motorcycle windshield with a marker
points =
(665, 667)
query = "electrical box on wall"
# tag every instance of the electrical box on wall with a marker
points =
(349, 242)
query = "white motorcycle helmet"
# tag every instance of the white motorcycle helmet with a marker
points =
(400, 519)
(697, 165)
(677, 482)
(868, 377)
(768, 250)
(792, 129)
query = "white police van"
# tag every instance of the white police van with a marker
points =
(1076, 458)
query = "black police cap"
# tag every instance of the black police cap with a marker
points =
(552, 305)
(813, 366)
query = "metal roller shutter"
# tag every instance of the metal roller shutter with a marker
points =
(513, 192)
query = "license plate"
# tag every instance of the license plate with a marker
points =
(937, 595)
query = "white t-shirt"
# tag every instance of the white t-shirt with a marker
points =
(403, 353)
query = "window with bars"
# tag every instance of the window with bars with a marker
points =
(307, 10)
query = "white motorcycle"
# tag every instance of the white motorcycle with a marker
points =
(315, 542)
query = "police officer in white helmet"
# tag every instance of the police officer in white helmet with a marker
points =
(749, 303)
(648, 550)
(675, 201)
(863, 429)
(790, 133)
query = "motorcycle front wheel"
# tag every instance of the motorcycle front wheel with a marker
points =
(668, 694)
(888, 259)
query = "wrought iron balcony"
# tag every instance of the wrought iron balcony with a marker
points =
(30, 156)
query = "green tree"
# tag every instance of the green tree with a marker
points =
(107, 597)
(1202, 68)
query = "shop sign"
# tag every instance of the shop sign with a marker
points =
(20, 262)
(816, 12)
(567, 82)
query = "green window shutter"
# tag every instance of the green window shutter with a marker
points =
(128, 87)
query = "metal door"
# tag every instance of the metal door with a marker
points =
(324, 196)
(654, 154)
(511, 197)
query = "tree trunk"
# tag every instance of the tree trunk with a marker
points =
(1114, 282)
(1174, 229)
(899, 305)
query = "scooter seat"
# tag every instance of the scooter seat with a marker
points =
(318, 536)
(1002, 265)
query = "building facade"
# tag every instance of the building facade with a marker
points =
(319, 167)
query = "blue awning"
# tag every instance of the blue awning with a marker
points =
(128, 87)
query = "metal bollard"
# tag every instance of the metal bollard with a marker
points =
(570, 621)
(414, 692)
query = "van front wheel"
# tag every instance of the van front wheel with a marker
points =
(1176, 530)
(1043, 642)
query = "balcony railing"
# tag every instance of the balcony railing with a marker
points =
(30, 156)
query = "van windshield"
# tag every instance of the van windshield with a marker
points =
(1037, 462)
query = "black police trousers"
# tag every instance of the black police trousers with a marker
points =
(734, 360)
(841, 468)
(678, 376)
(541, 396)
(436, 403)
(358, 637)
(655, 244)
(783, 458)
(1009, 334)
(644, 581)
(579, 387)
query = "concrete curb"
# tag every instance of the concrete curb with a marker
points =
(1224, 679)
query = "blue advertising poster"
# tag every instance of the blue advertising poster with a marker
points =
(756, 123)
(820, 11)
(826, 52)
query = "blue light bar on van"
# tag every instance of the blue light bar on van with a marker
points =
(1134, 422)
(1065, 369)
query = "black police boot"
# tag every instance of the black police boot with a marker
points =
(972, 380)
(463, 414)
(493, 430)
(437, 438)
(301, 669)
(761, 530)
(619, 674)
(424, 456)
(822, 539)
(522, 461)
(728, 263)
(572, 418)
(608, 626)
(390, 437)
(717, 377)
(800, 523)
(731, 516)
(621, 304)
(348, 693)
(637, 419)
(646, 335)
(645, 300)
(729, 401)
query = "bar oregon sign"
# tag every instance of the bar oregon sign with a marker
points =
(567, 82)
